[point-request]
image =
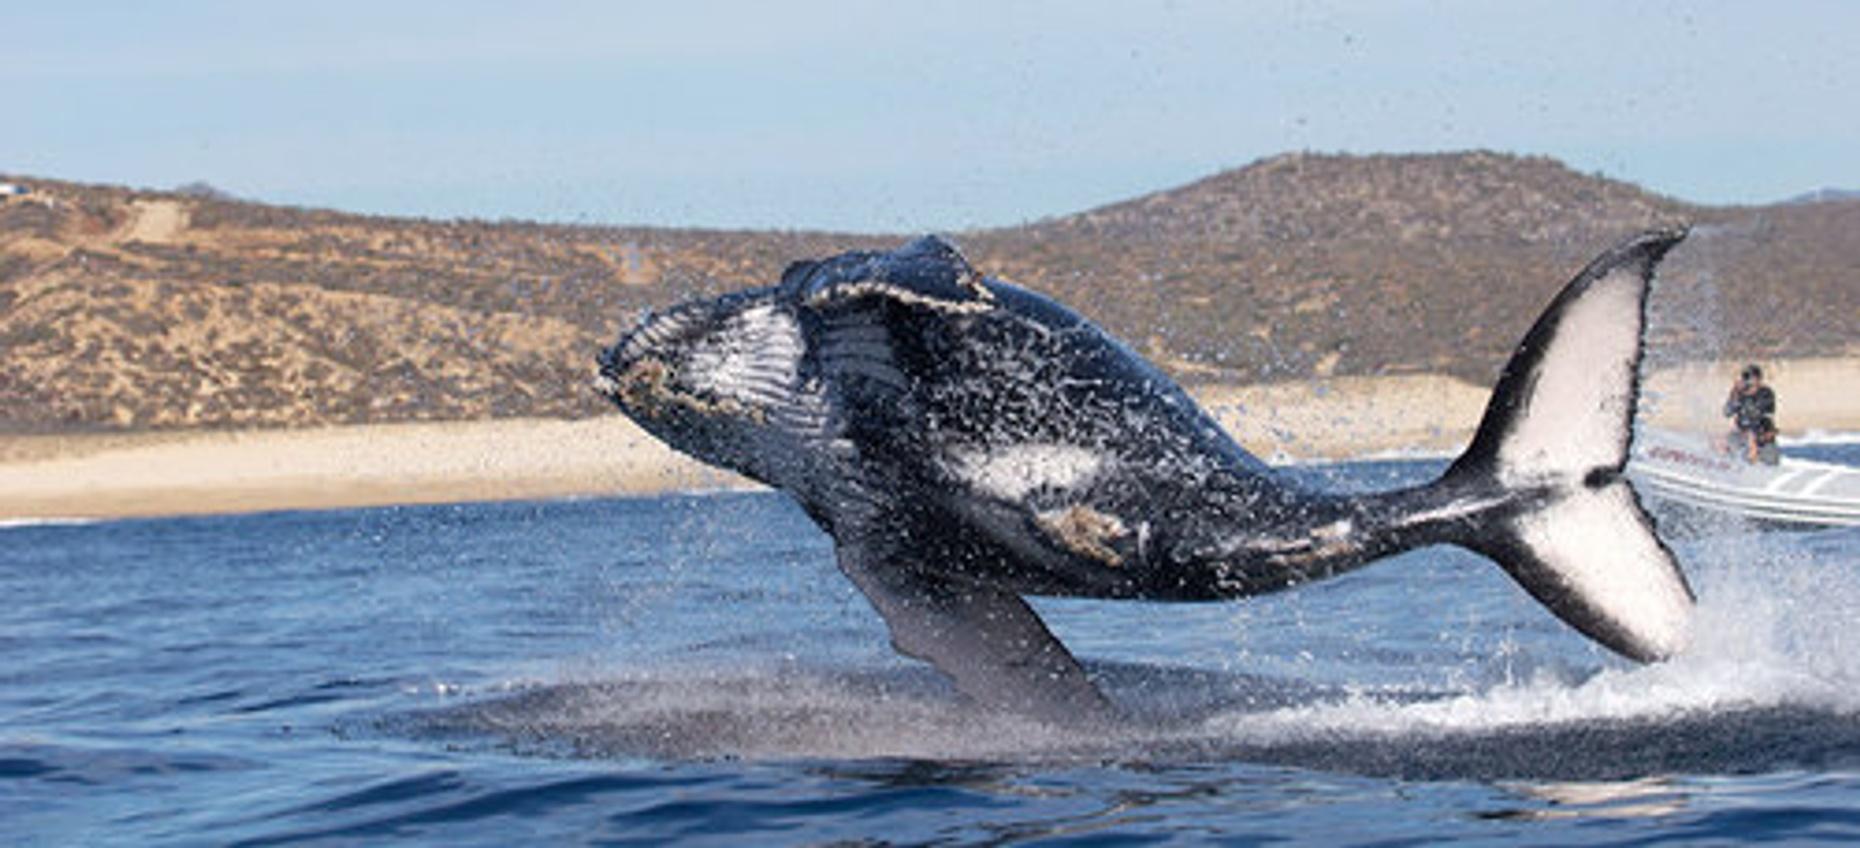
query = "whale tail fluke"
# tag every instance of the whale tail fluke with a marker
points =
(1551, 451)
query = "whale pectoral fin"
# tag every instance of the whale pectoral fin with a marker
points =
(987, 641)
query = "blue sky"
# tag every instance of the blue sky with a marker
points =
(903, 116)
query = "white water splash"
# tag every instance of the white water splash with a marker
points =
(1776, 627)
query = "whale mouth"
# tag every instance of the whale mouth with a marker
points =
(652, 335)
(720, 380)
(638, 373)
(724, 358)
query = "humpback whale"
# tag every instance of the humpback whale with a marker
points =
(967, 442)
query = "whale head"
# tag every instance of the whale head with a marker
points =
(717, 379)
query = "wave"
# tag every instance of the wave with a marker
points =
(17, 523)
(1820, 437)
(1610, 730)
(1771, 681)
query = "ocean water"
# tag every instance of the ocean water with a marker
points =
(692, 668)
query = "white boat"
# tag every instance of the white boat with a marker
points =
(1691, 471)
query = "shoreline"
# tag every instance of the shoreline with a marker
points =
(125, 475)
(168, 474)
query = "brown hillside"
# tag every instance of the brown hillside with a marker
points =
(127, 309)
(1433, 198)
(1305, 264)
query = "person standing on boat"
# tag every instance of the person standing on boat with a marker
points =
(1751, 408)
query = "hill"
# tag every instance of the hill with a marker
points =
(1306, 265)
(127, 310)
(1827, 195)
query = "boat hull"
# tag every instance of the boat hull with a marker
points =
(1689, 471)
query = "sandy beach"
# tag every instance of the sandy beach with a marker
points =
(149, 474)
(200, 473)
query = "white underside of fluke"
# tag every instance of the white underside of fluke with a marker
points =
(1559, 429)
(1580, 407)
(1596, 543)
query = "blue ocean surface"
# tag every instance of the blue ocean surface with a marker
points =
(694, 669)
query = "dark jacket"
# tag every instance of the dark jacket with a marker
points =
(1752, 409)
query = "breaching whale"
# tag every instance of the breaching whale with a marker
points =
(967, 442)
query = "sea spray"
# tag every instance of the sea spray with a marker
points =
(1776, 629)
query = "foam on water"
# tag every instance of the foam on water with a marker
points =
(18, 523)
(1775, 628)
(1772, 676)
